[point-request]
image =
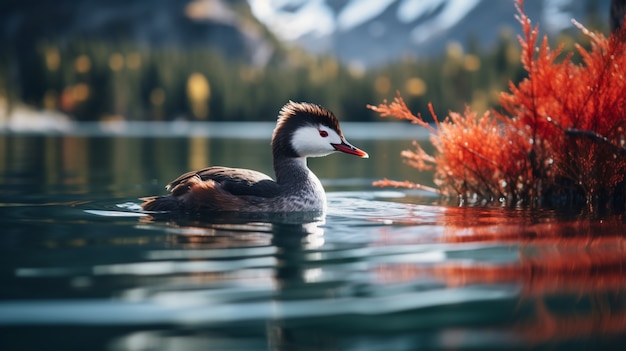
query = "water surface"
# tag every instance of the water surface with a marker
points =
(83, 267)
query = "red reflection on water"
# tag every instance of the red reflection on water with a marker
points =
(554, 255)
(550, 325)
(556, 258)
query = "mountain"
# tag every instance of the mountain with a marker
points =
(224, 25)
(362, 32)
(373, 32)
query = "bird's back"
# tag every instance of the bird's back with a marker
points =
(216, 189)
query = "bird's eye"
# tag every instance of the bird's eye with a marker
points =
(323, 133)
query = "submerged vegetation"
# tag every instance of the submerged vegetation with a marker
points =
(556, 139)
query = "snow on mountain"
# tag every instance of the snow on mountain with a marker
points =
(356, 13)
(370, 32)
(311, 18)
(452, 12)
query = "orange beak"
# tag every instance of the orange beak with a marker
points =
(349, 149)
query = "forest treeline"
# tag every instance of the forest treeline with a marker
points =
(94, 79)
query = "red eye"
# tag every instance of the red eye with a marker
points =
(323, 133)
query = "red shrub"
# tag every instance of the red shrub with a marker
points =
(559, 140)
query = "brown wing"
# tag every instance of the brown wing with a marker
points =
(236, 181)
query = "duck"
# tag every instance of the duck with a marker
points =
(302, 130)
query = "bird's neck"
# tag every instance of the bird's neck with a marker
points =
(290, 170)
(293, 174)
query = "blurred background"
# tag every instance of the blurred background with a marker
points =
(238, 60)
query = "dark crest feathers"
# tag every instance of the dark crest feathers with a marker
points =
(297, 114)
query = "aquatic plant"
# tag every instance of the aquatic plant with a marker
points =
(557, 139)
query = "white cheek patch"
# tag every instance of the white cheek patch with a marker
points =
(307, 141)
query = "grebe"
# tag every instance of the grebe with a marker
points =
(302, 130)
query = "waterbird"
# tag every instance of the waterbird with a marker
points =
(302, 130)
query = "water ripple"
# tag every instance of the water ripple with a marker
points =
(377, 261)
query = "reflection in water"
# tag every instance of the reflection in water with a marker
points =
(295, 271)
(571, 272)
(289, 238)
(568, 273)
(371, 269)
(382, 270)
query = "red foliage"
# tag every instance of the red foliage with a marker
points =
(559, 140)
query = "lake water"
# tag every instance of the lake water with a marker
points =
(82, 268)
